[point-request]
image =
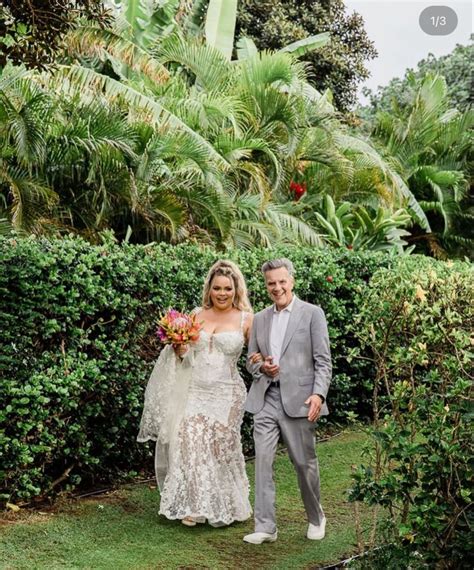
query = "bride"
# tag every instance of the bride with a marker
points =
(194, 407)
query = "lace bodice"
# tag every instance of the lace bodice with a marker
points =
(228, 342)
(218, 352)
(214, 360)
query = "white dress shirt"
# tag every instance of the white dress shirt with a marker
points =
(277, 333)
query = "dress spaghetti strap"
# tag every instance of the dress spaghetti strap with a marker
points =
(243, 318)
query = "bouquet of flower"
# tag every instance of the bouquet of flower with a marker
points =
(178, 328)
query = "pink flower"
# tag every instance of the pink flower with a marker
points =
(179, 322)
(161, 334)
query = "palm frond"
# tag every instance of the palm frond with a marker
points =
(209, 209)
(97, 42)
(293, 228)
(71, 79)
(28, 197)
(270, 69)
(208, 64)
(25, 110)
(158, 207)
(307, 45)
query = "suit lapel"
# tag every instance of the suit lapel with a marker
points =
(293, 322)
(267, 327)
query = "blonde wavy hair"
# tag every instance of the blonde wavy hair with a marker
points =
(228, 269)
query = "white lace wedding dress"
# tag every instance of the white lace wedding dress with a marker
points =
(194, 411)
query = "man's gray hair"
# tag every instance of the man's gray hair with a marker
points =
(277, 263)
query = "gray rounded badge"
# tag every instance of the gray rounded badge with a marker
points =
(438, 20)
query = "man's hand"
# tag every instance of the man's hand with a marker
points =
(315, 402)
(269, 368)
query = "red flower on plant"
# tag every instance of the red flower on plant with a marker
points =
(329, 278)
(298, 190)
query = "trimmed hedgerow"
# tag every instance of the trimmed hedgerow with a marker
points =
(77, 345)
(420, 465)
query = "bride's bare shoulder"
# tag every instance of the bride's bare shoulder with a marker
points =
(204, 314)
(248, 318)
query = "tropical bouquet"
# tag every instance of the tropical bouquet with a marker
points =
(178, 328)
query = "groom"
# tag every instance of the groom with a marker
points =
(287, 396)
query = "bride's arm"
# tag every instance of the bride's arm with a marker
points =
(255, 356)
(248, 327)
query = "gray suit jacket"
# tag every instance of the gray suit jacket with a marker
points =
(305, 361)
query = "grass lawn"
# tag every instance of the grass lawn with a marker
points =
(122, 530)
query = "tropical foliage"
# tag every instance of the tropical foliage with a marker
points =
(456, 67)
(357, 227)
(339, 66)
(430, 144)
(148, 127)
(155, 133)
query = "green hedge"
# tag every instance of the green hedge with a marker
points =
(420, 465)
(77, 345)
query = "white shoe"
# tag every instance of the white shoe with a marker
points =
(317, 532)
(259, 537)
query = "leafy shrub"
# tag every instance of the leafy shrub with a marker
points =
(417, 319)
(77, 346)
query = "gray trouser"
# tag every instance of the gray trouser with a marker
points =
(298, 434)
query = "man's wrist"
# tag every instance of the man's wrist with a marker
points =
(323, 399)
